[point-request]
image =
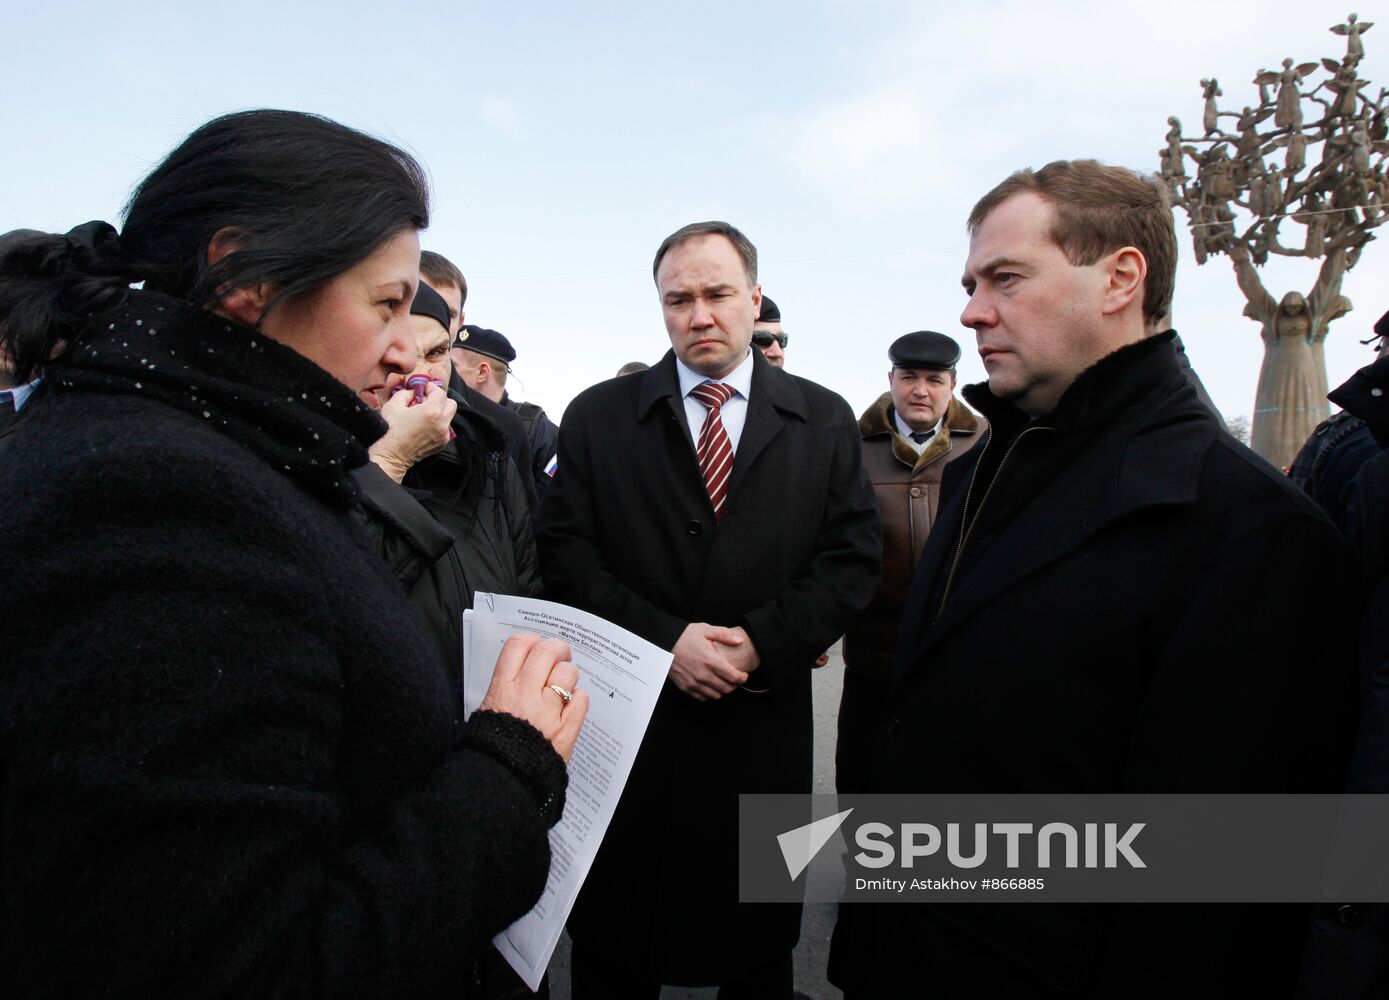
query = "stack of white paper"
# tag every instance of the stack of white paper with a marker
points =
(623, 675)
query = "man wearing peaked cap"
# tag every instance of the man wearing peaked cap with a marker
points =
(910, 433)
(483, 358)
(481, 340)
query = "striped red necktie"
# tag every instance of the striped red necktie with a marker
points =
(715, 451)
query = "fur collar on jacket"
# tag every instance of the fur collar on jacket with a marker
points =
(877, 422)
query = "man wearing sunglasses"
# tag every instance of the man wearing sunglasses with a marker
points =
(767, 335)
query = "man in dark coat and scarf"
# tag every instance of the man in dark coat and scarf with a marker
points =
(1108, 604)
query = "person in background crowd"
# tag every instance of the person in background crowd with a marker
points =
(1327, 468)
(632, 367)
(484, 360)
(455, 521)
(13, 395)
(442, 275)
(910, 434)
(1102, 606)
(672, 483)
(767, 335)
(1343, 467)
(239, 770)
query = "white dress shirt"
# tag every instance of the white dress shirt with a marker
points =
(906, 432)
(734, 412)
(20, 393)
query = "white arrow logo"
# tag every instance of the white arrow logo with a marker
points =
(799, 846)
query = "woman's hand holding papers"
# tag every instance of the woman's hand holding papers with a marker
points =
(536, 681)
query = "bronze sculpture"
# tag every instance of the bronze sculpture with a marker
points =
(1288, 113)
(1355, 48)
(1337, 198)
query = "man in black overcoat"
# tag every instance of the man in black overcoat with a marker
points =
(1117, 597)
(747, 574)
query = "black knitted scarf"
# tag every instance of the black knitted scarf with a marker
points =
(258, 392)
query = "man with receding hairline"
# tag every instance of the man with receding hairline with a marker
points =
(442, 275)
(716, 506)
(1102, 607)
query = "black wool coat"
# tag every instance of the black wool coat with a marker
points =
(628, 532)
(1348, 950)
(460, 524)
(225, 767)
(513, 428)
(1143, 605)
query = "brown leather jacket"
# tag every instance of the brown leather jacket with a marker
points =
(908, 490)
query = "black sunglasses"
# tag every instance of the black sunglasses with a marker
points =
(764, 338)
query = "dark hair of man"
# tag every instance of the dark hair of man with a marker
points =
(303, 198)
(741, 243)
(439, 270)
(1100, 209)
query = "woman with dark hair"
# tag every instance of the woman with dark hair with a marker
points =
(230, 763)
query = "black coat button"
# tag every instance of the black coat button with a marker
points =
(694, 527)
(1348, 916)
(892, 724)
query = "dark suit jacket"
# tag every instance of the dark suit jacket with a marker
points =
(627, 531)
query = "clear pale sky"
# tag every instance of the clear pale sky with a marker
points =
(848, 140)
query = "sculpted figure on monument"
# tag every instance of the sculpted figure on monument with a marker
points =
(1296, 144)
(1174, 147)
(1273, 193)
(1250, 141)
(1346, 85)
(1288, 112)
(1257, 205)
(1355, 48)
(1215, 174)
(1211, 118)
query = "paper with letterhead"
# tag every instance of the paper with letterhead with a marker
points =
(623, 675)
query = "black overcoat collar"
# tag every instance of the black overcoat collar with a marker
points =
(268, 397)
(1146, 435)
